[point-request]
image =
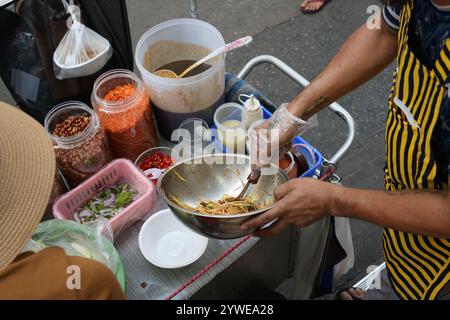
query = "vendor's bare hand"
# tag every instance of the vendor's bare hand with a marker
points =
(299, 202)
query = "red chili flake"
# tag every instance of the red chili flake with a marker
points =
(130, 130)
(157, 160)
(120, 92)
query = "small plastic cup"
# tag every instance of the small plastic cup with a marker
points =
(230, 128)
(198, 137)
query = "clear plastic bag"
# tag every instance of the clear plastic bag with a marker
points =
(92, 242)
(272, 139)
(82, 51)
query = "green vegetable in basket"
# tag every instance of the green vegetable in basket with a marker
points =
(107, 203)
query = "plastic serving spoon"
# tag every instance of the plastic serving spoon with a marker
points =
(166, 73)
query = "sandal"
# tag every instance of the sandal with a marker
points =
(304, 10)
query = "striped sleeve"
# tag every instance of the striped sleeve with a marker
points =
(391, 16)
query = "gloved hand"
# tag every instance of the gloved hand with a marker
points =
(273, 138)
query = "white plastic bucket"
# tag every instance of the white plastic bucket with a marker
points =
(175, 100)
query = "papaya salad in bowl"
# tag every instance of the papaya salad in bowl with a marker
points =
(202, 193)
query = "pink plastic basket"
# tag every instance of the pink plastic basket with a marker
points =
(120, 170)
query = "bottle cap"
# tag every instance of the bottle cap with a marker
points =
(252, 104)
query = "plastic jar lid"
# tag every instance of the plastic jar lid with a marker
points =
(108, 81)
(63, 110)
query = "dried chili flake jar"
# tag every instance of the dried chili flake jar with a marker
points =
(123, 106)
(81, 146)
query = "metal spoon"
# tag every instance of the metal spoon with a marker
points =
(166, 73)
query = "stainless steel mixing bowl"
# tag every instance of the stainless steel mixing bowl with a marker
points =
(210, 177)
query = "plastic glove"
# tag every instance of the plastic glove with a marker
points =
(273, 138)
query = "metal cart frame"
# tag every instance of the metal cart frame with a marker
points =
(295, 76)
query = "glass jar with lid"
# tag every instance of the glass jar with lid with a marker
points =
(122, 104)
(81, 146)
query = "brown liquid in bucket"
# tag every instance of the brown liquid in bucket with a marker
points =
(197, 96)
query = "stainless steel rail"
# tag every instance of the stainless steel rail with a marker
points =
(294, 75)
(194, 10)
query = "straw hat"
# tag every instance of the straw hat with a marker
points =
(27, 172)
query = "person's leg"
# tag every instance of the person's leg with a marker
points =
(312, 6)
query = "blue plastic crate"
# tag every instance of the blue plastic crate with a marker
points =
(313, 162)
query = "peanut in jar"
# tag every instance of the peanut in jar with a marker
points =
(80, 144)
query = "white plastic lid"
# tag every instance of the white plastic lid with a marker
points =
(167, 243)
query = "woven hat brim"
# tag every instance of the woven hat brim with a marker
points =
(27, 173)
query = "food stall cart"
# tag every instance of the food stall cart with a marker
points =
(243, 268)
